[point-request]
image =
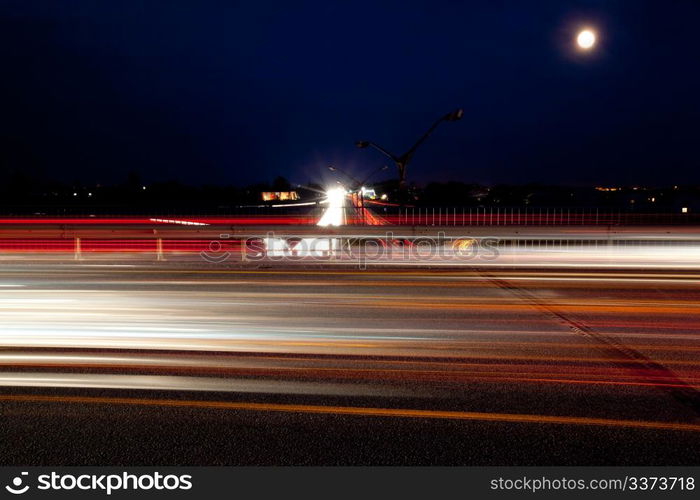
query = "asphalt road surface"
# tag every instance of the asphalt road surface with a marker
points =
(184, 364)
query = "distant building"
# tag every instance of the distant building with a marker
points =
(280, 195)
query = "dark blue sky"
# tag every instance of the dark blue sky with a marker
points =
(236, 92)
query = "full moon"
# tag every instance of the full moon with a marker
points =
(586, 39)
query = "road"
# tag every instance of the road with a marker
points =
(203, 364)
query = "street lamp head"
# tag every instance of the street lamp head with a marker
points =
(362, 144)
(455, 115)
(332, 168)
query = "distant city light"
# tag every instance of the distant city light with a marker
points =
(684, 210)
(586, 39)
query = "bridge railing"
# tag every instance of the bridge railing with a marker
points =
(526, 216)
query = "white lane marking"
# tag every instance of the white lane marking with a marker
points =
(170, 382)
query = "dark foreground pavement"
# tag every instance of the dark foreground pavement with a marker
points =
(141, 365)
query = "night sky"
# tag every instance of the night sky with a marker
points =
(239, 92)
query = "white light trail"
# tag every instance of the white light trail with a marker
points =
(335, 213)
(181, 222)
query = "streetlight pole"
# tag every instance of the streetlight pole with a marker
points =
(402, 161)
(341, 171)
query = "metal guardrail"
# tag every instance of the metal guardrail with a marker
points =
(157, 248)
(391, 215)
(518, 216)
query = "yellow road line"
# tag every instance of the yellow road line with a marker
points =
(363, 411)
